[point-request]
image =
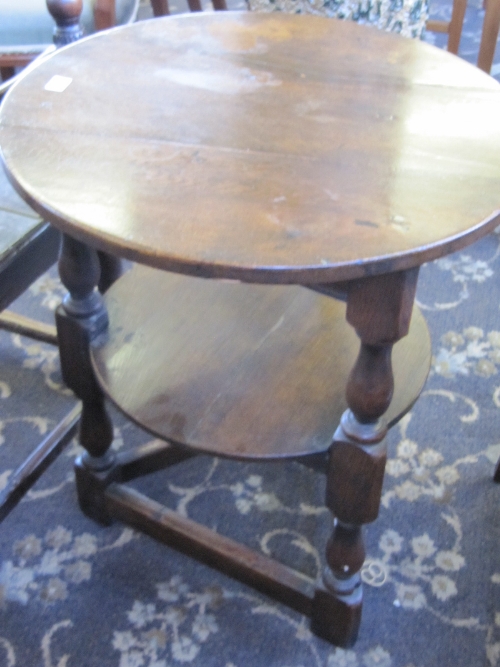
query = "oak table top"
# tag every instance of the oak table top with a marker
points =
(269, 149)
(265, 148)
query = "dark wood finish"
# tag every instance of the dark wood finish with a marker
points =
(234, 559)
(380, 309)
(79, 319)
(336, 618)
(346, 544)
(319, 163)
(9, 62)
(288, 169)
(26, 326)
(22, 479)
(20, 265)
(268, 361)
(240, 317)
(111, 270)
(105, 500)
(90, 487)
(6, 71)
(66, 14)
(496, 477)
(149, 458)
(92, 480)
(355, 480)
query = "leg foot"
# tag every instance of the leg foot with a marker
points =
(337, 618)
(90, 487)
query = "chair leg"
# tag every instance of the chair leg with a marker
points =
(7, 72)
(160, 7)
(104, 14)
(456, 25)
(26, 326)
(489, 35)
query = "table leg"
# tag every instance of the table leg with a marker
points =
(111, 270)
(80, 319)
(379, 308)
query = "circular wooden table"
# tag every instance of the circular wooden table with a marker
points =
(287, 150)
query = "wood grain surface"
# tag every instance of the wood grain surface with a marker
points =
(249, 371)
(266, 148)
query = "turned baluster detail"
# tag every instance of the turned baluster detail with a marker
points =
(379, 308)
(80, 319)
(82, 315)
(66, 14)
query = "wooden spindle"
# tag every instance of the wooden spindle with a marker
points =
(66, 14)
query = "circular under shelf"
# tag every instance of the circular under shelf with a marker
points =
(239, 370)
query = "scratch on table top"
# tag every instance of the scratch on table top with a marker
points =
(232, 81)
(269, 333)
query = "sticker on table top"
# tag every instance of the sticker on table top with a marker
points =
(58, 83)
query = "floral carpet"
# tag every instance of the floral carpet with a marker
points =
(76, 594)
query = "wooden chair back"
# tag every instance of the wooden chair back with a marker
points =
(489, 36)
(453, 27)
(26, 28)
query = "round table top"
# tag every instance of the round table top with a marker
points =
(266, 148)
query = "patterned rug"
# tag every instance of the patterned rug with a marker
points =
(76, 594)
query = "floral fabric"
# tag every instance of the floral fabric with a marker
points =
(406, 17)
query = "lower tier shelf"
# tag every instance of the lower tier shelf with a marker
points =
(239, 370)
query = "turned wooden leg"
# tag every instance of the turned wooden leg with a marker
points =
(379, 308)
(80, 319)
(66, 14)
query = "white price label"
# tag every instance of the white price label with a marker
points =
(58, 84)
